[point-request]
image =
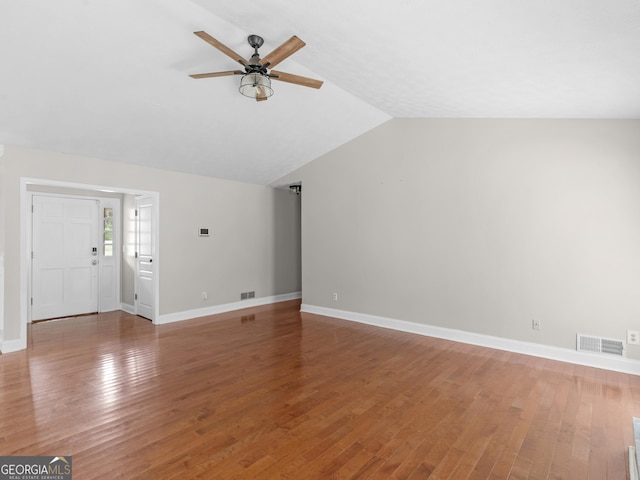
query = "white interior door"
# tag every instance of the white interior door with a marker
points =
(145, 268)
(64, 257)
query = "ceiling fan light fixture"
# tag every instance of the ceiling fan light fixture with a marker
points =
(255, 85)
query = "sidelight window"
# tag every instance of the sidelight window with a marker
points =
(107, 236)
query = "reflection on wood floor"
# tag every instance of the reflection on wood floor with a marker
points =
(271, 393)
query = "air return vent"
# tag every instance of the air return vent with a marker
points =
(586, 343)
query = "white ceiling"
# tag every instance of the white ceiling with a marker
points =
(109, 79)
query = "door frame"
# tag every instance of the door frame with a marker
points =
(25, 241)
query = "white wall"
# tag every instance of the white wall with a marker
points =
(480, 226)
(240, 255)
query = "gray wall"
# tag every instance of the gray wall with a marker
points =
(250, 247)
(481, 226)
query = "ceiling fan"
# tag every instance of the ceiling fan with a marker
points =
(256, 76)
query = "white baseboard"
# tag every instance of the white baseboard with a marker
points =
(9, 346)
(633, 465)
(15, 345)
(606, 362)
(634, 460)
(227, 307)
(128, 308)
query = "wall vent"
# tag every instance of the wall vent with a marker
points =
(246, 295)
(610, 346)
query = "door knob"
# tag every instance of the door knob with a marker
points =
(94, 262)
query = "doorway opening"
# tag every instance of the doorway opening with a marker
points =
(106, 246)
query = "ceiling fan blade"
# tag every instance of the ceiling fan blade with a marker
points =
(217, 74)
(283, 51)
(297, 79)
(222, 47)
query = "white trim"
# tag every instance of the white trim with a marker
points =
(633, 466)
(636, 437)
(227, 307)
(9, 346)
(616, 364)
(25, 261)
(85, 186)
(128, 308)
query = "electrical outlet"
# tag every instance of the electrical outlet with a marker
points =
(633, 337)
(535, 324)
(335, 297)
(204, 295)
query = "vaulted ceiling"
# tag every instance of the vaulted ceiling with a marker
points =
(110, 79)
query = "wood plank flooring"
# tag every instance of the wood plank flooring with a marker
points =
(271, 393)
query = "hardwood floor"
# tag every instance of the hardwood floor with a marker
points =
(272, 393)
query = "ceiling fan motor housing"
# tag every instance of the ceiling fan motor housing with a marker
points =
(256, 41)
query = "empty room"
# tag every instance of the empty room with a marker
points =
(320, 240)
